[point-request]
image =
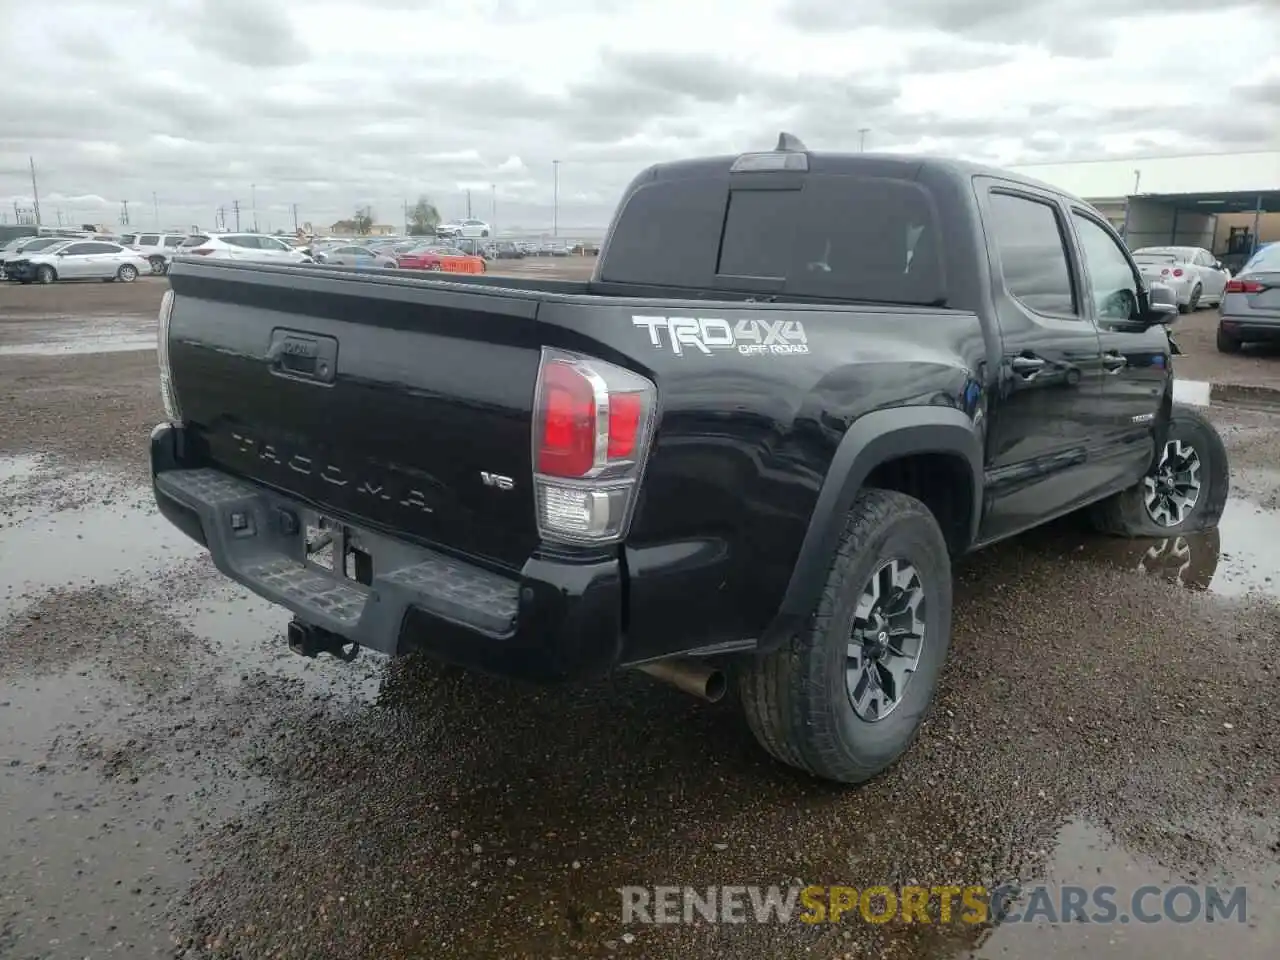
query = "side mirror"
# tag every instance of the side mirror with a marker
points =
(1162, 304)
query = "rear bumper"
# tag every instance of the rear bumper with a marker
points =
(556, 620)
(1250, 328)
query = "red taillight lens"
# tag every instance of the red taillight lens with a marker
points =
(568, 447)
(1244, 286)
(1177, 271)
(588, 462)
(625, 411)
(1164, 272)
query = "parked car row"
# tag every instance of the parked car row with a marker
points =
(49, 259)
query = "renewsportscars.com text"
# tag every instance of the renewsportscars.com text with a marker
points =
(937, 904)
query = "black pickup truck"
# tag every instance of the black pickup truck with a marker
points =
(797, 386)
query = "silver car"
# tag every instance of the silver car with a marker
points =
(78, 260)
(354, 255)
(1251, 307)
(1195, 275)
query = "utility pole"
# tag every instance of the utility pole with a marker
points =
(253, 204)
(155, 208)
(493, 227)
(295, 218)
(58, 210)
(220, 218)
(35, 191)
(124, 213)
(235, 207)
(555, 198)
(862, 138)
(468, 203)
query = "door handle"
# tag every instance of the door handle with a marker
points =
(1027, 367)
(1114, 362)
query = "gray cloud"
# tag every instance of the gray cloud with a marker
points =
(1075, 29)
(255, 33)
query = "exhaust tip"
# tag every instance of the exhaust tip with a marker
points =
(691, 676)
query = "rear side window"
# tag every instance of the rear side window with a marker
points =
(1033, 255)
(173, 241)
(149, 240)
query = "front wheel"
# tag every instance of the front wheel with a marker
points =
(1184, 492)
(127, 273)
(46, 275)
(845, 697)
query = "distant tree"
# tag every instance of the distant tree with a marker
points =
(423, 218)
(363, 220)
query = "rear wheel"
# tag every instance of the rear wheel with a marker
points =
(1194, 304)
(127, 273)
(845, 697)
(1226, 342)
(158, 265)
(1185, 492)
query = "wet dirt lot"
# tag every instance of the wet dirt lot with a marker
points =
(174, 783)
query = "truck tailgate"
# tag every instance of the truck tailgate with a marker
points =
(372, 401)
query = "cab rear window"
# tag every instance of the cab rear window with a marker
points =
(831, 236)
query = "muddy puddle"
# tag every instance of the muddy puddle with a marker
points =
(67, 336)
(1151, 922)
(95, 545)
(1237, 558)
(95, 827)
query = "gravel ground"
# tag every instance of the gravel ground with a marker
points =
(173, 783)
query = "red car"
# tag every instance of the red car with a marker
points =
(440, 258)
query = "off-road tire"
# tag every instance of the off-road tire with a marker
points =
(1125, 514)
(795, 699)
(1226, 342)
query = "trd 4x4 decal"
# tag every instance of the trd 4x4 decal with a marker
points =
(708, 335)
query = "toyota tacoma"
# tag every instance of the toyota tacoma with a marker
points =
(748, 450)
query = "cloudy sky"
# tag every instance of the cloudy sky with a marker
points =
(183, 106)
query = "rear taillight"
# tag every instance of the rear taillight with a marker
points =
(592, 425)
(1177, 271)
(1244, 286)
(167, 394)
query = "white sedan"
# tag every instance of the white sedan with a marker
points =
(1195, 274)
(78, 260)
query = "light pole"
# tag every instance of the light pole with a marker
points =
(862, 138)
(253, 204)
(555, 198)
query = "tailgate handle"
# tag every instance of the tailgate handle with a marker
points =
(303, 356)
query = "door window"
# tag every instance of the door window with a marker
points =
(1033, 254)
(78, 249)
(149, 240)
(1112, 282)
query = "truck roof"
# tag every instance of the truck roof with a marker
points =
(901, 165)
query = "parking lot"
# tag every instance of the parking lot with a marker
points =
(177, 784)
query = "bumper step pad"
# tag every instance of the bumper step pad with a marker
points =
(249, 544)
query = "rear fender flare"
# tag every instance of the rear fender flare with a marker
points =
(873, 439)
